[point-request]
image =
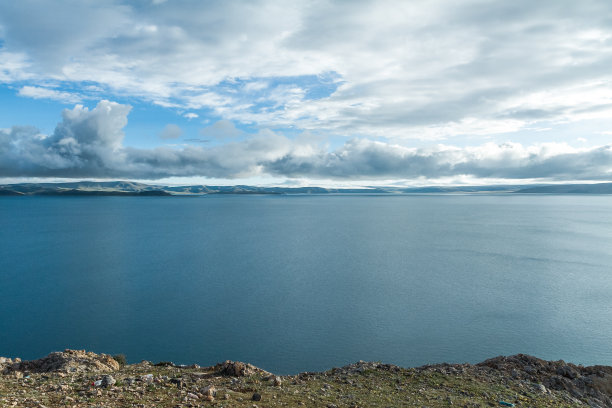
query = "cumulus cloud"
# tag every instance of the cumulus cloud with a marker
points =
(171, 131)
(86, 143)
(365, 159)
(89, 143)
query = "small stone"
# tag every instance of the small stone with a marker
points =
(62, 388)
(540, 388)
(192, 396)
(209, 390)
(148, 378)
(108, 381)
(179, 382)
(256, 397)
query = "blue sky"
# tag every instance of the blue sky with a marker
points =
(315, 93)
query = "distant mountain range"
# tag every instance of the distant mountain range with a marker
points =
(129, 188)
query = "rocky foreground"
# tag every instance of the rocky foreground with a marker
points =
(83, 379)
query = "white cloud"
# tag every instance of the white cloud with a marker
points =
(171, 131)
(255, 86)
(14, 66)
(190, 115)
(419, 69)
(37, 92)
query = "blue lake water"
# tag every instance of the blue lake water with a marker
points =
(295, 283)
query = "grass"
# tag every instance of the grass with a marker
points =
(369, 388)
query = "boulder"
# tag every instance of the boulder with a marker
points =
(67, 361)
(237, 369)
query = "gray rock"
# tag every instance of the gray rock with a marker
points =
(70, 361)
(540, 388)
(108, 381)
(238, 369)
(179, 382)
(148, 378)
(209, 390)
(567, 371)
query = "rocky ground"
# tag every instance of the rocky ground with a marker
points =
(82, 379)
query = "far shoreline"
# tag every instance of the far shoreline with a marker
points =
(128, 188)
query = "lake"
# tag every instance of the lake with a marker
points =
(296, 283)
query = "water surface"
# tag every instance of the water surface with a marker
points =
(295, 283)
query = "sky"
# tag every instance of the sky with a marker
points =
(338, 93)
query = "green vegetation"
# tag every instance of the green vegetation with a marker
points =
(358, 385)
(120, 358)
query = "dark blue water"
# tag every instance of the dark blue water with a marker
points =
(294, 283)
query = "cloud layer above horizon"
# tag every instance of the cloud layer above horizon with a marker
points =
(89, 143)
(319, 89)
